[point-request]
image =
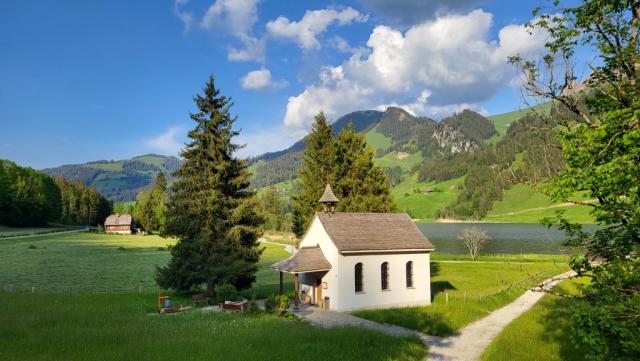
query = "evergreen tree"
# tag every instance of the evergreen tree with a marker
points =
(150, 206)
(316, 171)
(211, 210)
(360, 185)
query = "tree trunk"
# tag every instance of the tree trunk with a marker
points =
(210, 289)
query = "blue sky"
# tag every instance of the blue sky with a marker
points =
(89, 80)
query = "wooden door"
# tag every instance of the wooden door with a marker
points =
(319, 292)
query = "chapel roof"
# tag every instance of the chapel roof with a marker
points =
(361, 232)
(307, 259)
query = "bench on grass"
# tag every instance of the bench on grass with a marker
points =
(238, 306)
(200, 298)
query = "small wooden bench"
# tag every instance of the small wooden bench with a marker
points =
(200, 298)
(239, 306)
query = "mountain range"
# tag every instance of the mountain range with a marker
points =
(406, 147)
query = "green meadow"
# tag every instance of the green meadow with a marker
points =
(544, 331)
(94, 298)
(463, 292)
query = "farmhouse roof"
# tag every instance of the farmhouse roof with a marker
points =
(307, 259)
(363, 232)
(118, 220)
(328, 196)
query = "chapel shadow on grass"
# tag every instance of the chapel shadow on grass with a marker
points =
(440, 286)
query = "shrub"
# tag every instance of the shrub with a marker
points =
(32, 247)
(226, 292)
(100, 229)
(253, 305)
(277, 304)
(121, 248)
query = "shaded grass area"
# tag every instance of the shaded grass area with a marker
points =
(542, 333)
(107, 327)
(86, 262)
(6, 231)
(465, 292)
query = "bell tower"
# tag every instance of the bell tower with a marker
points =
(328, 199)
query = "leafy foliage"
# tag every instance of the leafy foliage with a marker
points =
(276, 305)
(211, 210)
(600, 135)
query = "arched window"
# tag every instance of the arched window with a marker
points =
(409, 274)
(384, 273)
(358, 275)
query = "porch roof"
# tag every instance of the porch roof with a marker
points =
(307, 259)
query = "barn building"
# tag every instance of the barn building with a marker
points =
(351, 261)
(118, 223)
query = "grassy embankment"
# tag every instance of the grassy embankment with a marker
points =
(99, 289)
(543, 332)
(467, 291)
(6, 231)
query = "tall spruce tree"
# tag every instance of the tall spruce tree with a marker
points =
(316, 171)
(347, 164)
(211, 210)
(360, 185)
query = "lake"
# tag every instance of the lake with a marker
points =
(505, 237)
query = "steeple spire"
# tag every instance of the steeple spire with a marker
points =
(328, 199)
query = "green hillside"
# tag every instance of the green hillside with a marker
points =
(504, 120)
(377, 140)
(119, 180)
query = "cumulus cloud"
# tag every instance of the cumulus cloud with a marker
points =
(170, 142)
(187, 17)
(314, 22)
(233, 16)
(261, 79)
(437, 66)
(405, 13)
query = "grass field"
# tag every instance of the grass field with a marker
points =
(377, 140)
(124, 327)
(504, 120)
(391, 160)
(6, 231)
(467, 291)
(543, 331)
(98, 263)
(523, 204)
(87, 305)
(423, 206)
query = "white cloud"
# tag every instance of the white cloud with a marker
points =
(410, 12)
(254, 49)
(313, 23)
(233, 16)
(261, 79)
(187, 17)
(431, 68)
(170, 142)
(268, 140)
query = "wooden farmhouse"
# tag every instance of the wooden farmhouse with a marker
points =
(351, 261)
(118, 223)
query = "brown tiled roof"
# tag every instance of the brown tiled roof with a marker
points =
(118, 220)
(352, 232)
(307, 259)
(328, 196)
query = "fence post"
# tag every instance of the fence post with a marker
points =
(140, 289)
(33, 289)
(446, 297)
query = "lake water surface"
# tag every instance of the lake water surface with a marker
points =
(505, 238)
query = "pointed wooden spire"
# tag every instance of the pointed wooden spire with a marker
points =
(328, 199)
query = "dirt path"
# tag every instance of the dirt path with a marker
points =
(466, 345)
(471, 341)
(45, 234)
(287, 247)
